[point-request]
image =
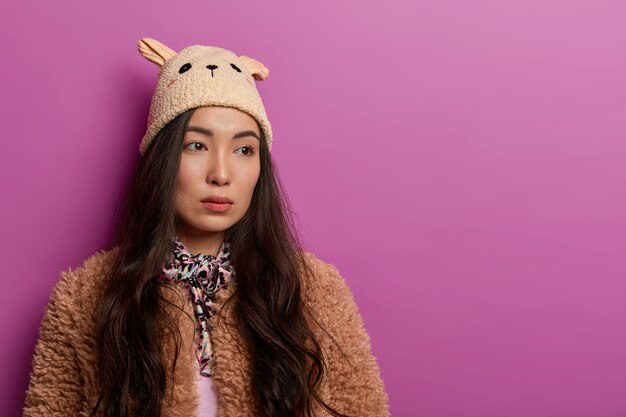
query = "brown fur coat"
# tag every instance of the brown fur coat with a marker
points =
(63, 383)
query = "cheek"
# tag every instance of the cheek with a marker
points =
(251, 182)
(184, 185)
(246, 184)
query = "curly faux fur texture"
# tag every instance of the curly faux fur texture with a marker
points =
(63, 382)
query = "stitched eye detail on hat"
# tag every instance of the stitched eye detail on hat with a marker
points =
(184, 68)
(235, 67)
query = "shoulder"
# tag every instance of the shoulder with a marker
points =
(79, 286)
(321, 275)
(324, 289)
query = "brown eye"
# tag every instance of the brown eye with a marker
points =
(196, 146)
(250, 150)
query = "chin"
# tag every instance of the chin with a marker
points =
(213, 226)
(210, 222)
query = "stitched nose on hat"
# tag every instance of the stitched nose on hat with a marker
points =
(211, 67)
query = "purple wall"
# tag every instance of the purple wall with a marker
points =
(460, 162)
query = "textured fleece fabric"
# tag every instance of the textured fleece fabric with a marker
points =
(63, 383)
(202, 75)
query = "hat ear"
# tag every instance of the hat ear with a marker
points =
(155, 51)
(258, 70)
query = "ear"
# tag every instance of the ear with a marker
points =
(258, 70)
(155, 51)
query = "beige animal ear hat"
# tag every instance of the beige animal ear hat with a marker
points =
(202, 75)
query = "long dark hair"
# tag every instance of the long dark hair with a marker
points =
(288, 363)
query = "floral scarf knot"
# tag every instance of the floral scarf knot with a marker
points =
(203, 275)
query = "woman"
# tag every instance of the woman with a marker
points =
(206, 305)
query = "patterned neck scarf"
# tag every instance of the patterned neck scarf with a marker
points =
(203, 275)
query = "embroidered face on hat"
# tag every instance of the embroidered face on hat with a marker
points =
(201, 75)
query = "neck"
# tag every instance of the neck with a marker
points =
(206, 243)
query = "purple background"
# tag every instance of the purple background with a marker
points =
(461, 163)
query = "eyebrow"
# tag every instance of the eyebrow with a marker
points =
(209, 132)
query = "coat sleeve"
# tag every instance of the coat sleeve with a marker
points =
(55, 386)
(353, 382)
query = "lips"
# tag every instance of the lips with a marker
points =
(218, 200)
(217, 204)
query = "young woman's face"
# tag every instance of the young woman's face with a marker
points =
(220, 158)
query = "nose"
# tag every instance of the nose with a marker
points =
(219, 171)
